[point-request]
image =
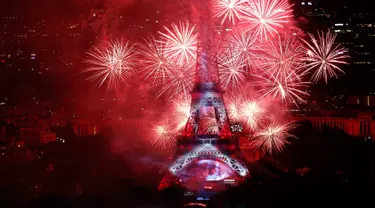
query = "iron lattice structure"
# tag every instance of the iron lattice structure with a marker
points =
(209, 95)
(206, 94)
(207, 150)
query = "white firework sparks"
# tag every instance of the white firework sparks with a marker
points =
(112, 63)
(229, 10)
(288, 88)
(179, 82)
(252, 113)
(265, 17)
(231, 70)
(323, 56)
(246, 46)
(164, 137)
(273, 137)
(155, 60)
(181, 43)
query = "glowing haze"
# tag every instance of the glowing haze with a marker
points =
(258, 53)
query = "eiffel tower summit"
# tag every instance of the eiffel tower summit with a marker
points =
(208, 156)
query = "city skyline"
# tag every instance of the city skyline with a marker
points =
(224, 100)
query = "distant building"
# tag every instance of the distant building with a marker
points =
(92, 127)
(59, 119)
(361, 126)
(353, 100)
(47, 137)
(355, 29)
(365, 100)
(363, 52)
(12, 110)
(311, 15)
(126, 124)
(33, 133)
(86, 127)
(357, 33)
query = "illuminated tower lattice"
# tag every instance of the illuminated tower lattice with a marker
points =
(204, 140)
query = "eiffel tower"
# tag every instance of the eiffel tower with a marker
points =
(201, 142)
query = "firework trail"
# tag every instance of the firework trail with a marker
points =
(229, 10)
(273, 137)
(155, 62)
(112, 63)
(181, 43)
(323, 56)
(266, 17)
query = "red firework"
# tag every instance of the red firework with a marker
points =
(278, 66)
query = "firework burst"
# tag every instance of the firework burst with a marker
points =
(207, 122)
(231, 70)
(252, 114)
(164, 136)
(283, 56)
(180, 112)
(277, 63)
(229, 10)
(111, 63)
(179, 82)
(323, 56)
(234, 103)
(282, 70)
(287, 88)
(265, 17)
(273, 137)
(246, 47)
(155, 60)
(181, 43)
